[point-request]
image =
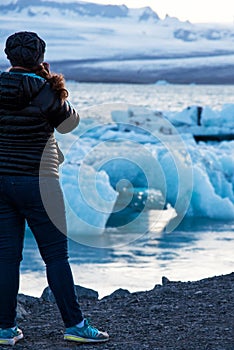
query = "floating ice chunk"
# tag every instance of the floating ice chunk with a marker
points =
(188, 116)
(162, 82)
(227, 115)
(206, 202)
(210, 117)
(120, 116)
(89, 199)
(129, 151)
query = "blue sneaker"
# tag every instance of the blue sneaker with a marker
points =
(85, 334)
(10, 336)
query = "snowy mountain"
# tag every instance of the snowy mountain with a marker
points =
(46, 8)
(116, 43)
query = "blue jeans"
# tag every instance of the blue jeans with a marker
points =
(21, 201)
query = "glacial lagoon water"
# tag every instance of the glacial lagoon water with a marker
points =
(197, 248)
(157, 97)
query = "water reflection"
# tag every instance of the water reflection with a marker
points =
(197, 249)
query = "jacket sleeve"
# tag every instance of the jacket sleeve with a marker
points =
(60, 114)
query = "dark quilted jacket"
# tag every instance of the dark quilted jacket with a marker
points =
(29, 112)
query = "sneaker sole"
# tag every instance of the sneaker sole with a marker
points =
(11, 341)
(83, 340)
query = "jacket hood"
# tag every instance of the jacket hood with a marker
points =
(17, 89)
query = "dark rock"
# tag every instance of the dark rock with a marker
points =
(23, 303)
(165, 281)
(157, 287)
(87, 293)
(81, 292)
(132, 301)
(199, 292)
(26, 299)
(155, 308)
(21, 312)
(119, 293)
(47, 295)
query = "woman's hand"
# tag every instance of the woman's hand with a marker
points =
(46, 66)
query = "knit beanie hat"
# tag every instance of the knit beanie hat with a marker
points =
(25, 49)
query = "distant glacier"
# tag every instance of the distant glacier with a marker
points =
(110, 43)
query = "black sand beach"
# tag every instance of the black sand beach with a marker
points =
(172, 316)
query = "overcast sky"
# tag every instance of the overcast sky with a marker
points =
(195, 11)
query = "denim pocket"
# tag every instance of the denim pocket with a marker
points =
(24, 190)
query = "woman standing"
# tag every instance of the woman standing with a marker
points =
(33, 102)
